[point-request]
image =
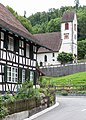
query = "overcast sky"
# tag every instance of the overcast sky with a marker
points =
(33, 6)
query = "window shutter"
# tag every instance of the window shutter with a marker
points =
(6, 40)
(5, 73)
(31, 51)
(27, 74)
(16, 44)
(20, 75)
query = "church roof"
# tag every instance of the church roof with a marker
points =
(68, 16)
(10, 23)
(51, 40)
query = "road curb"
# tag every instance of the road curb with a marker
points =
(42, 112)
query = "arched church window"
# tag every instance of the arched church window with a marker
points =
(66, 26)
(45, 58)
(41, 64)
(75, 27)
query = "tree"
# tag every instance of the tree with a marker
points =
(81, 23)
(65, 57)
(54, 25)
(81, 49)
(23, 20)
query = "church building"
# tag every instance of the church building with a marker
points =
(64, 41)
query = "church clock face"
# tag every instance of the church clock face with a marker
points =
(66, 35)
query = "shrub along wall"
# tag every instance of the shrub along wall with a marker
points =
(29, 104)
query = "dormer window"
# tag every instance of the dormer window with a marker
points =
(66, 26)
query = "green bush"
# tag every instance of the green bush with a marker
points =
(27, 91)
(64, 93)
(8, 98)
(3, 110)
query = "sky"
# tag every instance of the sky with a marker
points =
(33, 6)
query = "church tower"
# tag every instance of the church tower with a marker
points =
(69, 33)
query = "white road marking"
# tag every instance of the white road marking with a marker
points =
(83, 110)
(42, 112)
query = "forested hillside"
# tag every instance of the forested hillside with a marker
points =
(50, 21)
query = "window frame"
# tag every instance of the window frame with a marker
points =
(21, 47)
(12, 74)
(10, 43)
(67, 26)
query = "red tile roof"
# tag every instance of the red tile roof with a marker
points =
(51, 40)
(10, 23)
(68, 16)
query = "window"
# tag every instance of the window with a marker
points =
(75, 27)
(34, 48)
(11, 44)
(2, 40)
(21, 47)
(2, 36)
(21, 44)
(53, 55)
(27, 50)
(66, 35)
(41, 64)
(12, 74)
(45, 58)
(66, 26)
(75, 37)
(23, 75)
(31, 75)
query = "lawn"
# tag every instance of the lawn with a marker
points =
(75, 83)
(74, 79)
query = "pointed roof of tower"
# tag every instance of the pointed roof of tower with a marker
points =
(68, 16)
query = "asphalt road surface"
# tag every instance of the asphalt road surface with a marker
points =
(70, 108)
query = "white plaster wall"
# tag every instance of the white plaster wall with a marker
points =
(66, 31)
(50, 58)
(69, 45)
(66, 43)
(66, 48)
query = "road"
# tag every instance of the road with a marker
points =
(70, 108)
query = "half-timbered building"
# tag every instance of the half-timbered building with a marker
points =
(18, 52)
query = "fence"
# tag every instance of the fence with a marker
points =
(62, 70)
